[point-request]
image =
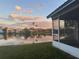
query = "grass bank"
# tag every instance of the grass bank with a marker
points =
(32, 51)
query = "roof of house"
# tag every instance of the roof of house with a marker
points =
(64, 8)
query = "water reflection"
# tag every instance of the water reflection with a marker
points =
(30, 39)
(26, 34)
(20, 36)
(18, 39)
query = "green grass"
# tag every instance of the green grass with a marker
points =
(32, 51)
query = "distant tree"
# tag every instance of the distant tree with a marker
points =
(26, 33)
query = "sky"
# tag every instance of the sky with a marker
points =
(32, 8)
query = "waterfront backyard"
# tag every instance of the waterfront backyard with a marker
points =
(32, 51)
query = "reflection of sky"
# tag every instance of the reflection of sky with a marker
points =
(4, 21)
(38, 7)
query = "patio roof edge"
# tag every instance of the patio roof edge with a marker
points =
(67, 3)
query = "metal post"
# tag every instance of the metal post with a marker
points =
(52, 29)
(58, 30)
(76, 30)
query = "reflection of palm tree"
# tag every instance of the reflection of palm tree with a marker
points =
(10, 33)
(33, 23)
(36, 25)
(15, 32)
(5, 33)
(35, 33)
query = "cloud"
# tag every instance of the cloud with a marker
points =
(28, 11)
(23, 10)
(14, 15)
(39, 18)
(27, 18)
(18, 8)
(37, 5)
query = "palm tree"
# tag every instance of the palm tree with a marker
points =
(26, 33)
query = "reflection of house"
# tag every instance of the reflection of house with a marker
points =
(68, 37)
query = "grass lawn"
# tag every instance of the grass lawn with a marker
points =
(32, 51)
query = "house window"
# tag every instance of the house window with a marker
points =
(69, 34)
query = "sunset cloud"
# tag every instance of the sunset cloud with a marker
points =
(25, 18)
(23, 10)
(14, 15)
(18, 8)
(28, 11)
(39, 18)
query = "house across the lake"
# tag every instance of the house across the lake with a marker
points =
(66, 38)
